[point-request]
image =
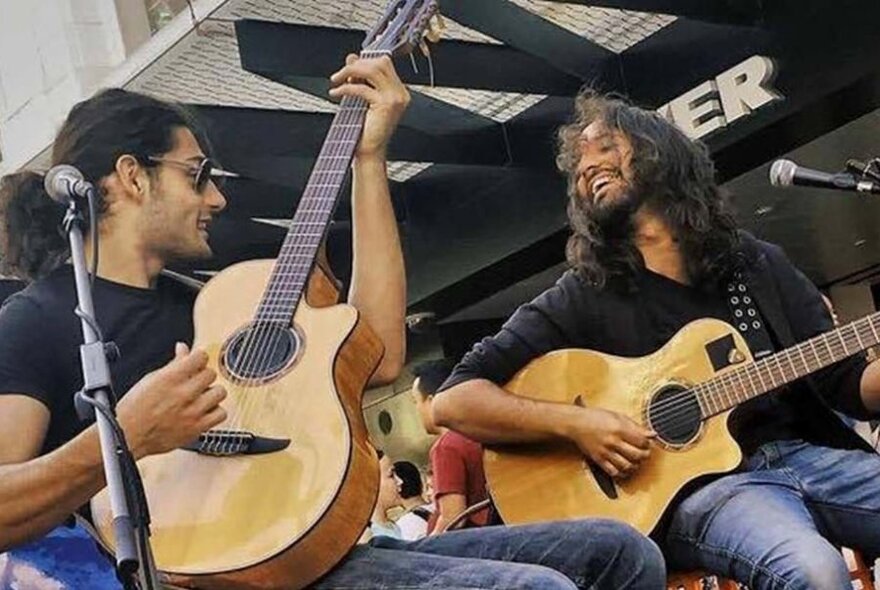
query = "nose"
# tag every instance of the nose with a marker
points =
(586, 165)
(215, 198)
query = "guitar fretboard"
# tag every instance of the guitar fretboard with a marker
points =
(731, 389)
(309, 225)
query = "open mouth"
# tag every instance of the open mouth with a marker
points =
(600, 182)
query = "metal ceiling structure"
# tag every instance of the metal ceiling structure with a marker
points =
(480, 204)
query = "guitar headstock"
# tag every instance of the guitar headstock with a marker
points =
(403, 27)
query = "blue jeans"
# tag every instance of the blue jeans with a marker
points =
(580, 554)
(778, 525)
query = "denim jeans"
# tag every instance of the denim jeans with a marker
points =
(778, 525)
(579, 554)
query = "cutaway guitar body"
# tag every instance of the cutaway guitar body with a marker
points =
(281, 518)
(555, 481)
(684, 391)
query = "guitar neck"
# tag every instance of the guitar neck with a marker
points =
(313, 214)
(752, 380)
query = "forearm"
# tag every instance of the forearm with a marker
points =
(39, 494)
(442, 525)
(870, 387)
(378, 284)
(486, 413)
(449, 508)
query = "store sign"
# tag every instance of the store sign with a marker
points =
(714, 104)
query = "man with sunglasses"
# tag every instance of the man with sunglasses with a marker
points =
(157, 195)
(201, 168)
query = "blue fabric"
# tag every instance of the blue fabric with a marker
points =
(582, 554)
(589, 554)
(385, 530)
(778, 525)
(66, 558)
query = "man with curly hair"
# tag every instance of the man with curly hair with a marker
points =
(654, 246)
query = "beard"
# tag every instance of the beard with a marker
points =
(611, 217)
(185, 250)
(601, 246)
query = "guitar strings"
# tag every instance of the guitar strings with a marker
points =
(257, 350)
(719, 387)
(261, 340)
(249, 349)
(765, 364)
(342, 145)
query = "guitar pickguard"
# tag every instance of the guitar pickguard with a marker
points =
(723, 353)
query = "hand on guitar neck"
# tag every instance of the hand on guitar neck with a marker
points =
(375, 81)
(378, 291)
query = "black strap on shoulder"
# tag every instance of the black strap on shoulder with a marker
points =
(189, 282)
(747, 318)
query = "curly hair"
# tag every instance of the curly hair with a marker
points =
(96, 133)
(673, 175)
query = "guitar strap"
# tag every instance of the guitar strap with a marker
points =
(191, 283)
(747, 318)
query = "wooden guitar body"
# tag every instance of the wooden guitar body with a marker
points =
(282, 518)
(531, 483)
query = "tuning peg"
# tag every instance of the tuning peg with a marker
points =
(435, 31)
(426, 51)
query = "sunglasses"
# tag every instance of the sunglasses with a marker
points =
(202, 172)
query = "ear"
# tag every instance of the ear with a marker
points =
(132, 177)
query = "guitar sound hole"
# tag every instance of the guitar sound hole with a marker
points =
(260, 350)
(674, 414)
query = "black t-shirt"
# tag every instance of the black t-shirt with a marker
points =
(8, 287)
(40, 338)
(636, 322)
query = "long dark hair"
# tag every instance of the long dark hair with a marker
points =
(410, 477)
(97, 132)
(675, 177)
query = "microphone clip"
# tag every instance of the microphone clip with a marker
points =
(869, 171)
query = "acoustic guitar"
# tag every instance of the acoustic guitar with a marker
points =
(278, 494)
(684, 391)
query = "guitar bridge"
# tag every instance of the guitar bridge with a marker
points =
(225, 443)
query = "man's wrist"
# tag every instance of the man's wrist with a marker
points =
(371, 160)
(566, 421)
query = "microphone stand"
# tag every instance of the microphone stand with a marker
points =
(134, 559)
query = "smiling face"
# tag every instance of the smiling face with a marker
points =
(604, 176)
(177, 216)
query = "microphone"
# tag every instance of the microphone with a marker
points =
(785, 173)
(64, 183)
